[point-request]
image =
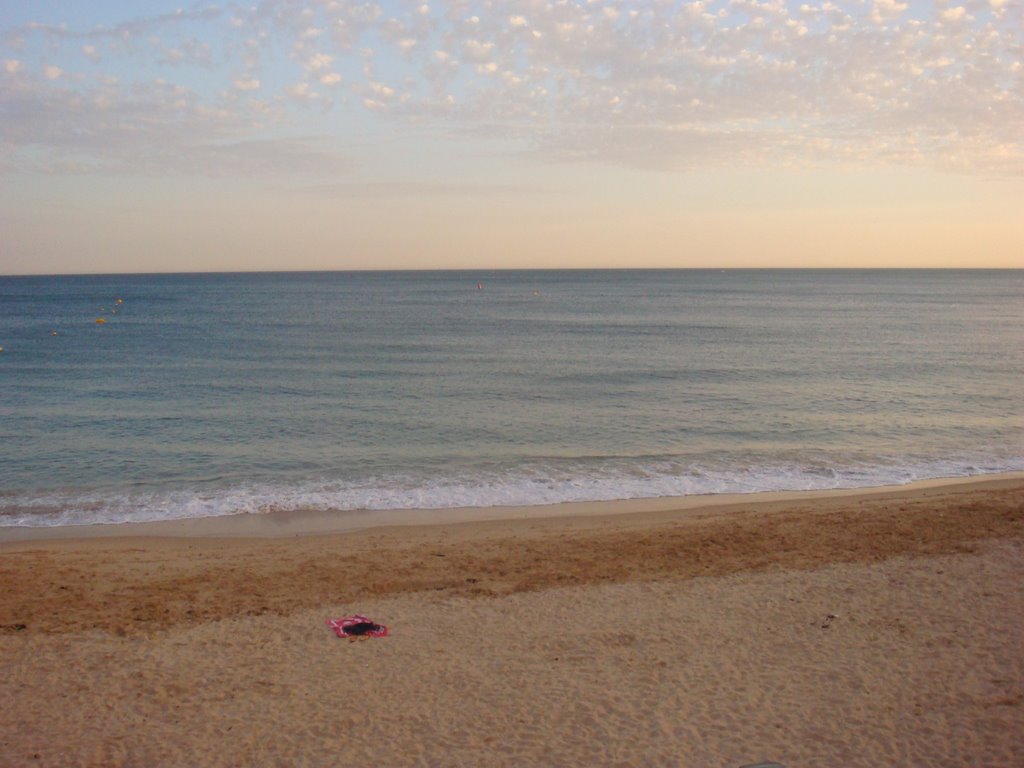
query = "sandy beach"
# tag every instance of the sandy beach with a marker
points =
(867, 628)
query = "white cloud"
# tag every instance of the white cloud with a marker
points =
(319, 61)
(363, 190)
(956, 13)
(189, 52)
(149, 127)
(475, 50)
(380, 90)
(885, 10)
(658, 83)
(302, 92)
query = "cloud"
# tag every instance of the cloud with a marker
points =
(404, 189)
(302, 92)
(954, 14)
(319, 61)
(651, 84)
(189, 53)
(296, 156)
(886, 9)
(475, 50)
(129, 29)
(155, 127)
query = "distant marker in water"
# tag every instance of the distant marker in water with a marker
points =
(53, 333)
(100, 320)
(479, 286)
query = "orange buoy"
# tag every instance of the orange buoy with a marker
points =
(100, 320)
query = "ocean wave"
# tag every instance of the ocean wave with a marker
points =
(539, 484)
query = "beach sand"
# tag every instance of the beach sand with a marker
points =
(879, 628)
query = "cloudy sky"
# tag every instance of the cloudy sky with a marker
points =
(138, 135)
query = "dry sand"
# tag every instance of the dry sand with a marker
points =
(700, 637)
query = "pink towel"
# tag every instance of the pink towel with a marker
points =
(356, 626)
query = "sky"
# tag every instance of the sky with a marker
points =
(145, 136)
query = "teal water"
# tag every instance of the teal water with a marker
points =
(223, 394)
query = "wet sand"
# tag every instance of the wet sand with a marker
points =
(856, 628)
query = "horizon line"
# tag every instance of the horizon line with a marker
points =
(158, 273)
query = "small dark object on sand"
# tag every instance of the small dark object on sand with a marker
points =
(362, 628)
(357, 626)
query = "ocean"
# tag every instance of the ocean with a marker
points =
(220, 394)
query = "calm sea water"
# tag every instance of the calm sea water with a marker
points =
(222, 394)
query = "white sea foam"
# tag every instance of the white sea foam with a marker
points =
(527, 486)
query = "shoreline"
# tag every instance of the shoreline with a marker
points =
(305, 523)
(125, 583)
